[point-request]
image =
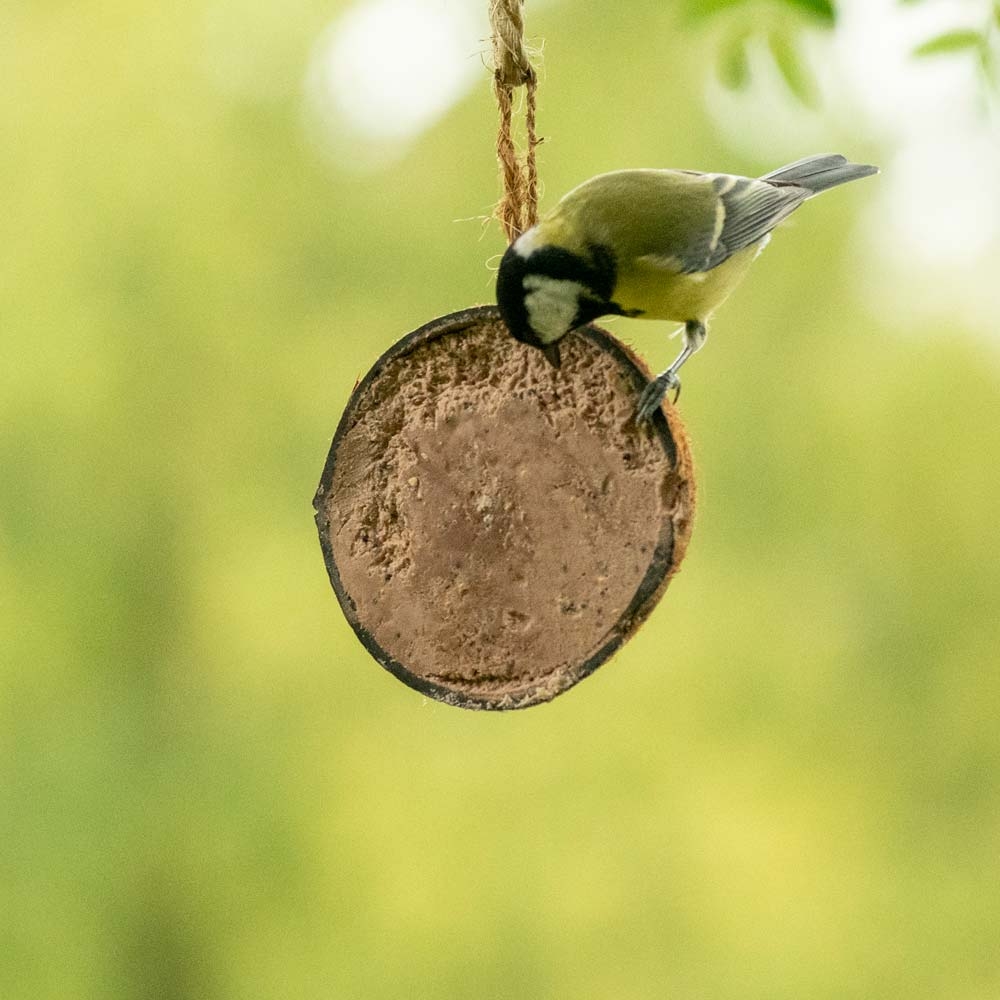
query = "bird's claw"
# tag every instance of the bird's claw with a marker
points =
(652, 396)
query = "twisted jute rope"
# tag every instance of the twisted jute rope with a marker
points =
(517, 209)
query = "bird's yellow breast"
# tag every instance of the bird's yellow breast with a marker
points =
(658, 291)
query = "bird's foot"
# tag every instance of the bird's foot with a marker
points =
(652, 396)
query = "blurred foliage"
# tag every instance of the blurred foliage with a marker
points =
(748, 19)
(734, 64)
(823, 10)
(792, 68)
(950, 41)
(785, 787)
(983, 44)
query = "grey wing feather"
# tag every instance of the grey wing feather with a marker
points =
(753, 208)
(808, 166)
(749, 209)
(819, 173)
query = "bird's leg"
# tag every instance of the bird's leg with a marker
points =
(695, 333)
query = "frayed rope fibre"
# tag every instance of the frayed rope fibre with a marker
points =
(517, 209)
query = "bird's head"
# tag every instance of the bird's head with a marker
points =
(544, 290)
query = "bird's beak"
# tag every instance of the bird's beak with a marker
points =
(551, 352)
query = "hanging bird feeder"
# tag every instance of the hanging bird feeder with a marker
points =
(494, 528)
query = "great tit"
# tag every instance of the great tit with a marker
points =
(659, 244)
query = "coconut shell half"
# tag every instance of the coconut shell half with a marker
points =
(495, 528)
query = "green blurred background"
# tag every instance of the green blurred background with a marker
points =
(786, 786)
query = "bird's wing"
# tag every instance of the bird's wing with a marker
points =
(679, 220)
(745, 211)
(753, 208)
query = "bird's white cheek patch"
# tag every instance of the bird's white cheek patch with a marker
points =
(551, 304)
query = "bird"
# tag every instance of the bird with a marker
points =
(651, 243)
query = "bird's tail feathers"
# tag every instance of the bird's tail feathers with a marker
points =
(818, 173)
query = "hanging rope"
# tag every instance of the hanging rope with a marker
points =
(517, 209)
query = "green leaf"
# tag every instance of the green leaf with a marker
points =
(996, 12)
(951, 41)
(697, 10)
(988, 64)
(734, 66)
(794, 71)
(822, 9)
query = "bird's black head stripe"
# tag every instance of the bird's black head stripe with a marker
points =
(597, 272)
(510, 296)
